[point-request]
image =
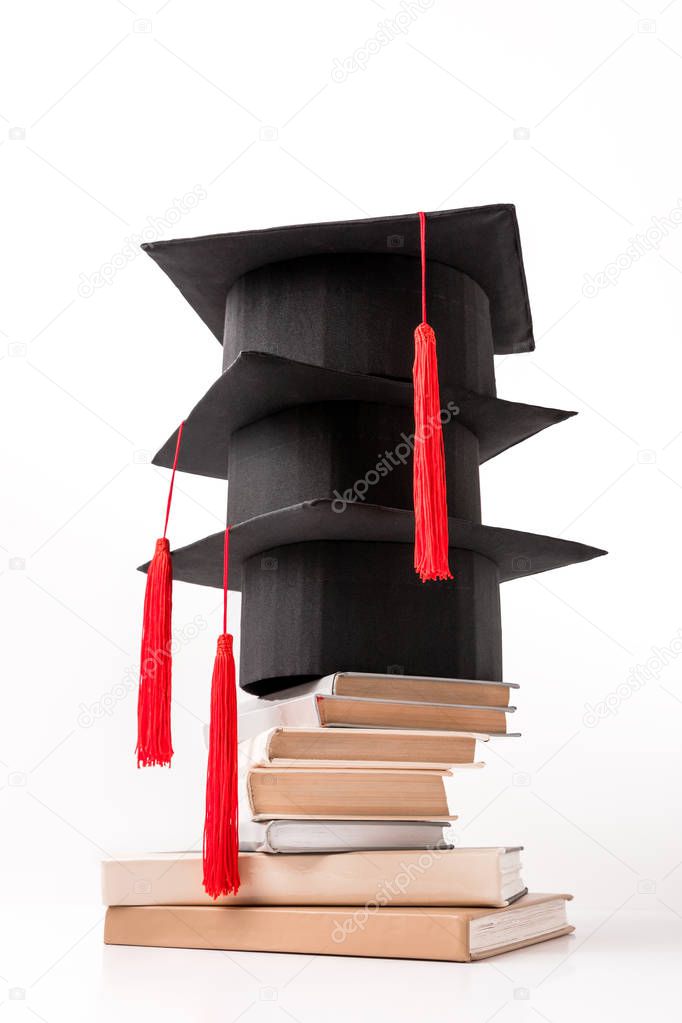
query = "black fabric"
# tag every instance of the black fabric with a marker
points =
(482, 242)
(309, 608)
(257, 385)
(344, 451)
(517, 554)
(357, 314)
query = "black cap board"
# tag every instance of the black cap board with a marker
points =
(320, 588)
(258, 385)
(516, 553)
(482, 242)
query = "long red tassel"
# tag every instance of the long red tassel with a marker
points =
(221, 823)
(429, 484)
(154, 745)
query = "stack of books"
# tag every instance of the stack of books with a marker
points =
(346, 850)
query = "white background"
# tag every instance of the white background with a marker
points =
(111, 112)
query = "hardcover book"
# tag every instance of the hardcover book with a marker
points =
(435, 877)
(456, 934)
(305, 792)
(359, 747)
(323, 836)
(414, 688)
(322, 704)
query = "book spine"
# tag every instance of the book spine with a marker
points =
(295, 713)
(255, 752)
(248, 792)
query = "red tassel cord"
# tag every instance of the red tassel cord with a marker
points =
(429, 484)
(154, 745)
(221, 823)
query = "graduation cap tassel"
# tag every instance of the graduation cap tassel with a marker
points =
(221, 828)
(154, 745)
(429, 484)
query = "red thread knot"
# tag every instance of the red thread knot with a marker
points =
(224, 643)
(425, 332)
(162, 545)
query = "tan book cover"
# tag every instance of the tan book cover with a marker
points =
(420, 877)
(307, 792)
(446, 934)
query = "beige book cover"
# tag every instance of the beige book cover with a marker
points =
(423, 877)
(447, 934)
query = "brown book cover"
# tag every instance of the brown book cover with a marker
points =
(451, 935)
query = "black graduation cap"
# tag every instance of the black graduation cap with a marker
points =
(313, 416)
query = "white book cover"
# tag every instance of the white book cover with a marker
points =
(323, 836)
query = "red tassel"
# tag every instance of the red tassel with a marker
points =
(154, 745)
(221, 823)
(429, 482)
